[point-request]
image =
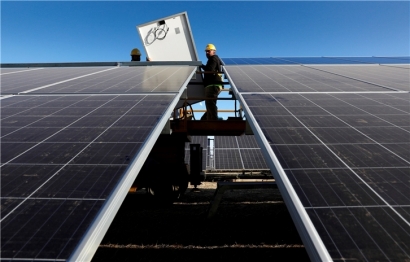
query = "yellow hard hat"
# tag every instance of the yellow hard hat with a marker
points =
(210, 47)
(135, 51)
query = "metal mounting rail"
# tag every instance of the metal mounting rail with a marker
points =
(235, 127)
(95, 64)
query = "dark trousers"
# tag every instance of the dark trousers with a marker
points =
(211, 91)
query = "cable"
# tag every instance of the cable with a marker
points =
(192, 110)
(153, 38)
(160, 30)
(159, 33)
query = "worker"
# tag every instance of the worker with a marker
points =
(136, 55)
(212, 82)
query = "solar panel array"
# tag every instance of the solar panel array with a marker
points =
(113, 80)
(402, 61)
(73, 141)
(335, 132)
(337, 139)
(238, 153)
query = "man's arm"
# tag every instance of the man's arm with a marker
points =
(211, 64)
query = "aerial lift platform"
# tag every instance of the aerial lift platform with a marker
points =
(185, 122)
(165, 173)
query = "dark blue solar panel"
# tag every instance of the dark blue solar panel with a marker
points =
(49, 237)
(316, 60)
(238, 153)
(24, 80)
(376, 60)
(64, 156)
(255, 61)
(347, 158)
(116, 80)
(297, 79)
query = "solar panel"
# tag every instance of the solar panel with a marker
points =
(68, 160)
(7, 71)
(340, 159)
(255, 61)
(238, 153)
(113, 80)
(253, 159)
(25, 80)
(228, 159)
(383, 76)
(297, 79)
(318, 60)
(315, 60)
(247, 141)
(226, 142)
(376, 60)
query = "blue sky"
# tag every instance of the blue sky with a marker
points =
(90, 31)
(80, 31)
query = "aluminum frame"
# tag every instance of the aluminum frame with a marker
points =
(97, 64)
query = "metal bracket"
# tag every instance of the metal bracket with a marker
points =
(167, 128)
